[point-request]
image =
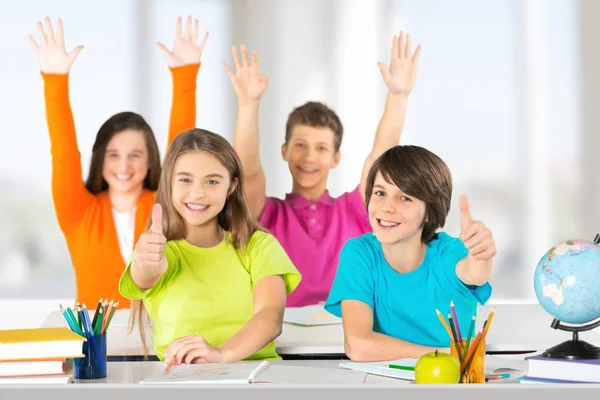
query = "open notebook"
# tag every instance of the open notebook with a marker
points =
(310, 316)
(402, 369)
(227, 373)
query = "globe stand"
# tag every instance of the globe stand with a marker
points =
(574, 349)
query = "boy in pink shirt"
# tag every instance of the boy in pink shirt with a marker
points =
(311, 225)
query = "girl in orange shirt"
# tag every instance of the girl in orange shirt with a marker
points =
(104, 216)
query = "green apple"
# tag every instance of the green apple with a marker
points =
(437, 368)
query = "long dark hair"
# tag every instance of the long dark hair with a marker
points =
(120, 122)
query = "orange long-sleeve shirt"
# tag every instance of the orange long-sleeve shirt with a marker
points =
(86, 219)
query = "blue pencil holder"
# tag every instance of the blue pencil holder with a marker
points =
(93, 365)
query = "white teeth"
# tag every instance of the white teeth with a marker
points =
(196, 207)
(123, 177)
(308, 169)
(388, 223)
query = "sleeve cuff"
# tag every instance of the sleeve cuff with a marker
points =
(184, 77)
(55, 85)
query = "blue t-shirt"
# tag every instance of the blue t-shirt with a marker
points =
(404, 304)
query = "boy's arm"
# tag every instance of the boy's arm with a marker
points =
(478, 266)
(184, 62)
(362, 344)
(249, 85)
(399, 78)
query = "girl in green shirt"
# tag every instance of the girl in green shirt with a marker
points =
(212, 282)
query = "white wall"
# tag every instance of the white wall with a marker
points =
(469, 106)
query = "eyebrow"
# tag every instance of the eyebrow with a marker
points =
(378, 186)
(184, 173)
(116, 151)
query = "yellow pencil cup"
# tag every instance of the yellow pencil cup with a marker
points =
(472, 361)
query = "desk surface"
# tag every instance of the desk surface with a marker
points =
(128, 373)
(516, 328)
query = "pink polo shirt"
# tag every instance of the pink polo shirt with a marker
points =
(313, 234)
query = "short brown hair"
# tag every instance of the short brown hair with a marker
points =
(419, 173)
(317, 115)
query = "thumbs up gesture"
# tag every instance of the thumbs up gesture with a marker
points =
(151, 245)
(475, 235)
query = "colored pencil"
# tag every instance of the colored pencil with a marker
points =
(98, 306)
(110, 316)
(453, 310)
(443, 321)
(70, 322)
(469, 334)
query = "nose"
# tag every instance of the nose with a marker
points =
(123, 164)
(309, 155)
(198, 192)
(388, 207)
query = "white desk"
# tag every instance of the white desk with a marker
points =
(124, 377)
(515, 328)
(127, 373)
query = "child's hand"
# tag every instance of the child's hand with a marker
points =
(400, 76)
(185, 51)
(475, 235)
(151, 244)
(248, 83)
(192, 349)
(51, 54)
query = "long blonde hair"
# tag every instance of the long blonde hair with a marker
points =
(235, 217)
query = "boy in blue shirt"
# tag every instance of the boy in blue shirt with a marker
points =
(389, 283)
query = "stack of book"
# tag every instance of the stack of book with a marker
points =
(37, 355)
(554, 370)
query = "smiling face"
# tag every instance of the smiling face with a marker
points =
(394, 216)
(200, 186)
(310, 154)
(126, 161)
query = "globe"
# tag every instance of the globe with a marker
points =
(567, 281)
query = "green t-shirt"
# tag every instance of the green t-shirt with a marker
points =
(210, 291)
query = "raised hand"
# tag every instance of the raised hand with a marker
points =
(50, 52)
(400, 75)
(248, 83)
(192, 349)
(151, 244)
(475, 235)
(185, 50)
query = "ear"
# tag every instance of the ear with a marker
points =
(284, 151)
(232, 187)
(337, 157)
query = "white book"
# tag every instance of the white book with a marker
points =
(310, 316)
(241, 372)
(28, 380)
(401, 369)
(27, 368)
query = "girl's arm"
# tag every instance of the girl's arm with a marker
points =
(70, 196)
(260, 330)
(184, 62)
(362, 344)
(264, 326)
